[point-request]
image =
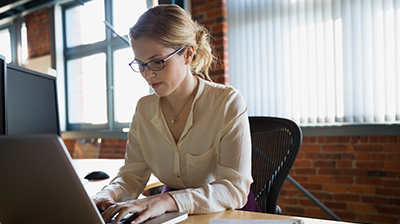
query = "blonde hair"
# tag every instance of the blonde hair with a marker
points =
(173, 27)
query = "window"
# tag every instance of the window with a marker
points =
(317, 61)
(14, 44)
(101, 89)
(5, 47)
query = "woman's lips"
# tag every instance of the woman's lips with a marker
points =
(156, 85)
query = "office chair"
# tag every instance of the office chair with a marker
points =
(275, 144)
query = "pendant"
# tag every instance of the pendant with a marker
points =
(175, 119)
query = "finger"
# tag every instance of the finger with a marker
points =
(145, 215)
(106, 203)
(109, 213)
(122, 214)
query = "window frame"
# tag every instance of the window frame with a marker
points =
(108, 46)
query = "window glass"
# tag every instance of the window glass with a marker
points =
(5, 46)
(84, 24)
(126, 13)
(87, 96)
(24, 43)
(129, 86)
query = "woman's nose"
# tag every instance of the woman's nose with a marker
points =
(147, 73)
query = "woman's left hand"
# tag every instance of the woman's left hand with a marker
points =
(149, 207)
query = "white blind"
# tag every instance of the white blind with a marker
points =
(317, 61)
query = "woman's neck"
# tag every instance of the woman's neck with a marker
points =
(178, 98)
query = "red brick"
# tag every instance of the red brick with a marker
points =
(327, 171)
(362, 157)
(335, 188)
(215, 14)
(295, 193)
(383, 219)
(290, 201)
(302, 163)
(368, 148)
(348, 156)
(391, 183)
(294, 210)
(386, 209)
(310, 148)
(308, 155)
(312, 186)
(330, 156)
(347, 197)
(377, 157)
(205, 8)
(306, 202)
(336, 205)
(300, 156)
(361, 207)
(362, 190)
(324, 164)
(334, 148)
(391, 166)
(374, 200)
(369, 165)
(391, 148)
(388, 192)
(305, 171)
(369, 181)
(355, 172)
(319, 179)
(344, 164)
(395, 158)
(343, 180)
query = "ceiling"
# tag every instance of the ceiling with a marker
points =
(14, 8)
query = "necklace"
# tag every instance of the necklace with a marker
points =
(175, 118)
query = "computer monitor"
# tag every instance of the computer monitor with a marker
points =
(28, 102)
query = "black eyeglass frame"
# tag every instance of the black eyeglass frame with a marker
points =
(143, 65)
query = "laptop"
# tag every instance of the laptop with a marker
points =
(38, 184)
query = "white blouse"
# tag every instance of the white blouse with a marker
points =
(211, 162)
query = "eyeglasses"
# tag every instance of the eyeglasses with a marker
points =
(156, 65)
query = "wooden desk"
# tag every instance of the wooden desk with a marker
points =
(109, 166)
(233, 214)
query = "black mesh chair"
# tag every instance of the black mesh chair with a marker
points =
(275, 144)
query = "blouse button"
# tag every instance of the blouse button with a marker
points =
(178, 176)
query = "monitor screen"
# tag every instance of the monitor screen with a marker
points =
(30, 102)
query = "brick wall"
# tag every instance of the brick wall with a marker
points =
(212, 15)
(358, 178)
(38, 31)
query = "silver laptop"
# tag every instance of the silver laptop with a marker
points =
(38, 184)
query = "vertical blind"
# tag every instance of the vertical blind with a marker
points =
(317, 61)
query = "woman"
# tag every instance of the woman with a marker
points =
(192, 134)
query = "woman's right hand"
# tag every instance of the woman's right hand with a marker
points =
(104, 199)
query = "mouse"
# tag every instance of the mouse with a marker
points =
(97, 175)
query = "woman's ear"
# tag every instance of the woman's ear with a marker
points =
(189, 54)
